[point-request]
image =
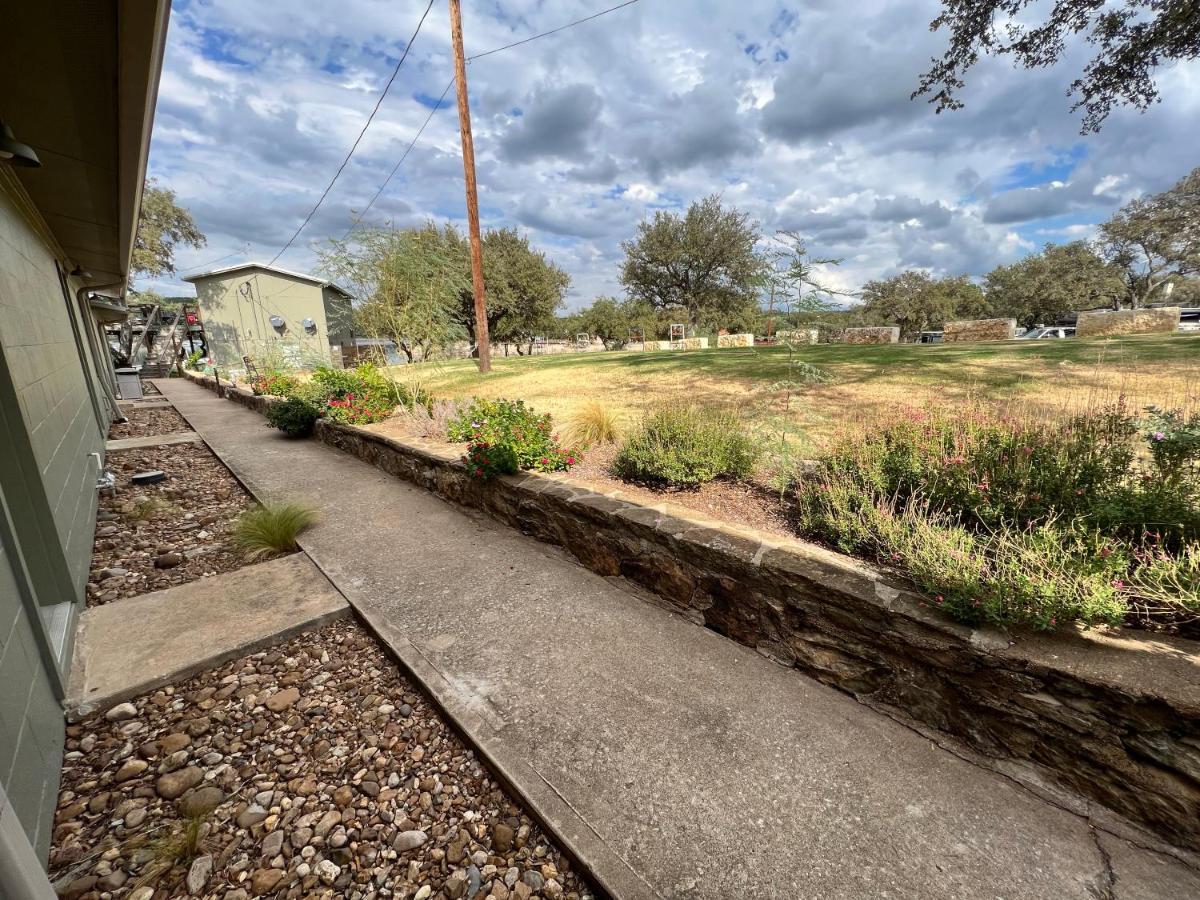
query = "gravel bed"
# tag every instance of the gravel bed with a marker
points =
(148, 422)
(314, 769)
(154, 536)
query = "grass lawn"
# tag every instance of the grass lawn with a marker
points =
(1042, 377)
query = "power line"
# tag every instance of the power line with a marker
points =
(603, 12)
(407, 151)
(357, 140)
(441, 99)
(243, 250)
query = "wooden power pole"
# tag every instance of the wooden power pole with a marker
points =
(468, 153)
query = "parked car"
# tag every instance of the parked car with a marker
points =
(1047, 332)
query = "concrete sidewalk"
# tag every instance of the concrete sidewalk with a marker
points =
(671, 761)
(133, 645)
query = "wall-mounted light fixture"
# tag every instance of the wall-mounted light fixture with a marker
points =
(14, 152)
(309, 326)
(278, 324)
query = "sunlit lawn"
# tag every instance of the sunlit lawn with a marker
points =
(868, 381)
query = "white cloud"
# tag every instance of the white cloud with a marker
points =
(801, 117)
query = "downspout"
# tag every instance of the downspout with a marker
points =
(109, 381)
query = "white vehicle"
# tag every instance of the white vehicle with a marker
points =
(1047, 332)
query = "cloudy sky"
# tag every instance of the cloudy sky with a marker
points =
(797, 113)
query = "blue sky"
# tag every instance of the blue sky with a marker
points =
(799, 114)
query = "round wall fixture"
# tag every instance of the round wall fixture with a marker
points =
(277, 323)
(310, 326)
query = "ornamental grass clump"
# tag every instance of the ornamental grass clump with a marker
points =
(1011, 521)
(687, 446)
(505, 437)
(592, 424)
(271, 530)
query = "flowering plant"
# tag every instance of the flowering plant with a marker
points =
(1173, 440)
(511, 437)
(277, 384)
(360, 409)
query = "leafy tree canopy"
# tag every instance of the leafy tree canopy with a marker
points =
(408, 283)
(1132, 38)
(524, 290)
(162, 225)
(702, 263)
(918, 302)
(1060, 279)
(1156, 239)
(608, 319)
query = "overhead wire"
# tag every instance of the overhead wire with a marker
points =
(242, 249)
(441, 99)
(603, 12)
(403, 157)
(358, 140)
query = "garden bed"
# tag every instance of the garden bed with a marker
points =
(147, 423)
(312, 769)
(154, 536)
(1111, 716)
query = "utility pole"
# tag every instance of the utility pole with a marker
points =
(468, 153)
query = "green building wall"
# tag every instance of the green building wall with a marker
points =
(54, 416)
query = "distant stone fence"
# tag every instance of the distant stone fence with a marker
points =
(973, 330)
(1113, 322)
(1110, 717)
(798, 336)
(695, 343)
(735, 340)
(871, 335)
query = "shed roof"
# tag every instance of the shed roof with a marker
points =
(303, 276)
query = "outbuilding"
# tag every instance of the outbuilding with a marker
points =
(273, 315)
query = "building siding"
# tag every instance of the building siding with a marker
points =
(53, 390)
(238, 324)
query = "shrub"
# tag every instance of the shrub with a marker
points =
(264, 531)
(1009, 522)
(334, 384)
(487, 460)
(1174, 441)
(490, 424)
(687, 446)
(433, 421)
(1043, 576)
(363, 408)
(593, 423)
(276, 384)
(293, 416)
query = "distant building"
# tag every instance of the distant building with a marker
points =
(273, 315)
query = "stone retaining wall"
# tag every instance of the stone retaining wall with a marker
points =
(871, 335)
(1111, 322)
(971, 330)
(1113, 718)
